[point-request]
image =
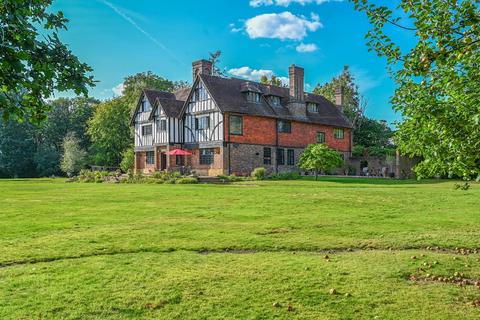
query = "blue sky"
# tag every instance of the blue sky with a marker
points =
(122, 37)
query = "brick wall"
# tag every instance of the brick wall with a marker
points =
(262, 130)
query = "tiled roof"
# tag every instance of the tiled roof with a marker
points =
(229, 96)
(227, 93)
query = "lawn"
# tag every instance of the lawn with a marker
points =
(330, 249)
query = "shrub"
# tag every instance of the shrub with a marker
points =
(231, 178)
(187, 180)
(286, 176)
(128, 160)
(259, 173)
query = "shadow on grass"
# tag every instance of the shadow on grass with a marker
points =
(376, 181)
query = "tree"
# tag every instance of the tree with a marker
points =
(274, 81)
(17, 149)
(74, 157)
(354, 103)
(133, 86)
(215, 60)
(67, 115)
(372, 134)
(34, 62)
(319, 157)
(128, 160)
(110, 131)
(437, 81)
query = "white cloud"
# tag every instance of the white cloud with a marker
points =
(118, 89)
(254, 74)
(282, 26)
(286, 3)
(309, 47)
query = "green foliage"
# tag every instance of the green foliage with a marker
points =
(437, 81)
(34, 62)
(285, 176)
(74, 157)
(110, 132)
(319, 157)
(133, 86)
(372, 133)
(274, 80)
(187, 180)
(354, 104)
(231, 178)
(17, 149)
(128, 160)
(47, 161)
(259, 173)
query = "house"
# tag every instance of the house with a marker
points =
(232, 126)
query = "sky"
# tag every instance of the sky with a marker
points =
(118, 38)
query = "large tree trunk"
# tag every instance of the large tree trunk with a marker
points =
(316, 175)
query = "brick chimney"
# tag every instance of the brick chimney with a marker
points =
(296, 75)
(201, 67)
(297, 106)
(339, 97)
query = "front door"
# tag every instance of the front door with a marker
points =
(163, 161)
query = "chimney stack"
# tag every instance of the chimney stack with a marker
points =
(201, 67)
(339, 97)
(296, 75)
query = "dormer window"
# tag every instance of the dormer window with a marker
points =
(253, 97)
(312, 107)
(275, 101)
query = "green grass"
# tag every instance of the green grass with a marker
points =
(94, 251)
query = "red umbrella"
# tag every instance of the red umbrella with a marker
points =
(179, 152)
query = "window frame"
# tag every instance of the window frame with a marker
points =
(144, 134)
(280, 156)
(290, 157)
(209, 157)
(251, 94)
(336, 136)
(324, 137)
(275, 98)
(267, 156)
(315, 105)
(240, 133)
(283, 128)
(149, 157)
(197, 122)
(162, 127)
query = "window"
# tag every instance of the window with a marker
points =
(236, 125)
(267, 155)
(147, 130)
(338, 133)
(290, 157)
(196, 94)
(206, 156)
(320, 137)
(275, 101)
(202, 123)
(280, 157)
(162, 125)
(144, 107)
(284, 126)
(150, 157)
(180, 160)
(312, 107)
(253, 97)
